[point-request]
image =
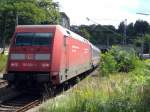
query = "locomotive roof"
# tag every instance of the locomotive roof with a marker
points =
(21, 28)
(73, 35)
(62, 29)
(95, 48)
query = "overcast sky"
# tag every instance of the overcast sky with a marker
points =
(104, 11)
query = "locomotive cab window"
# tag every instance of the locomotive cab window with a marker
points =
(24, 39)
(33, 39)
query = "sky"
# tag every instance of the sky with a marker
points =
(105, 12)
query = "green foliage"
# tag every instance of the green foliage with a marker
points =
(141, 27)
(98, 34)
(108, 64)
(118, 59)
(125, 57)
(120, 92)
(121, 28)
(138, 42)
(117, 93)
(3, 60)
(28, 12)
(84, 33)
(145, 40)
(108, 35)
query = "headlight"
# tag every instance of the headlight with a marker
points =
(14, 64)
(42, 57)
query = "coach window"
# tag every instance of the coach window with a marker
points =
(68, 32)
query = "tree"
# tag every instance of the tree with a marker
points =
(130, 33)
(109, 35)
(141, 27)
(145, 41)
(83, 32)
(121, 28)
(51, 10)
(27, 12)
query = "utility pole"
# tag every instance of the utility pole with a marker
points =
(149, 48)
(125, 32)
(16, 19)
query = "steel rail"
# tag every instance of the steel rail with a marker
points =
(28, 106)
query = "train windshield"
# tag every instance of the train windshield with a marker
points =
(33, 39)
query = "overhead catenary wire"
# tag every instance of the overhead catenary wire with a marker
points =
(116, 33)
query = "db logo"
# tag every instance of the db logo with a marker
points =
(29, 56)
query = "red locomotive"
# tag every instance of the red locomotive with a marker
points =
(48, 54)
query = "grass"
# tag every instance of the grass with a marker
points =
(123, 86)
(120, 92)
(3, 61)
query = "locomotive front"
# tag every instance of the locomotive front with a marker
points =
(30, 55)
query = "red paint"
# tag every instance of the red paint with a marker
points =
(74, 53)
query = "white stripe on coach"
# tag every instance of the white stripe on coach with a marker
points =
(17, 56)
(42, 57)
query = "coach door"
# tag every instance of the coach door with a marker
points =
(66, 56)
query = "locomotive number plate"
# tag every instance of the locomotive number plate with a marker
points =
(29, 56)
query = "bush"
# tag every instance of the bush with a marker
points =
(3, 60)
(108, 64)
(118, 59)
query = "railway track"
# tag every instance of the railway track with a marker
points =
(28, 106)
(21, 103)
(17, 101)
(19, 108)
(12, 100)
